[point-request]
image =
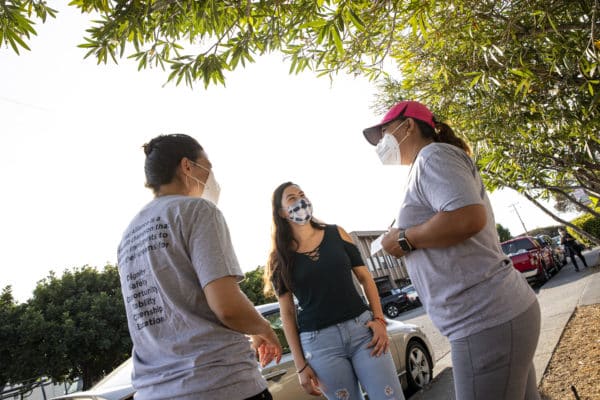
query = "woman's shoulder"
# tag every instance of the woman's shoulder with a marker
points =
(444, 154)
(193, 201)
(437, 149)
(339, 232)
(189, 206)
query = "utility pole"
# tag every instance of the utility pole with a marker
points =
(518, 215)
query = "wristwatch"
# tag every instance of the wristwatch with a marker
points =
(404, 243)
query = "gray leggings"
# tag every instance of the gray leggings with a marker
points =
(497, 363)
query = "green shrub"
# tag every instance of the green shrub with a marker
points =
(589, 224)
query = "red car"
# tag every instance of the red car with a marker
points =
(533, 260)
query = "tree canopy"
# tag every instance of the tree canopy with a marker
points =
(520, 79)
(74, 326)
(253, 287)
(503, 233)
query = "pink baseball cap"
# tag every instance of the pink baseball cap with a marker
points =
(412, 109)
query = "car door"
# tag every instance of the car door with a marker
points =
(543, 251)
(282, 378)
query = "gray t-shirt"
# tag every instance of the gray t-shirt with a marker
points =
(471, 286)
(171, 250)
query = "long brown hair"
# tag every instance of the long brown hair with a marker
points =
(281, 258)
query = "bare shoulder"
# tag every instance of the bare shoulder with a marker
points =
(344, 235)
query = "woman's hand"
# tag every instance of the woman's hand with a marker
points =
(380, 341)
(309, 381)
(267, 347)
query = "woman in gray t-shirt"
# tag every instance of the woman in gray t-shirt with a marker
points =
(447, 234)
(187, 317)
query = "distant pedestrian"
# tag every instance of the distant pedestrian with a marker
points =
(572, 247)
(187, 317)
(447, 236)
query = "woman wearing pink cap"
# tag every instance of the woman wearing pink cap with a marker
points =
(447, 234)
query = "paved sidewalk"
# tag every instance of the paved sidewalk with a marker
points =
(556, 312)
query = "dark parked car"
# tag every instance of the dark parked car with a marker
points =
(529, 257)
(410, 349)
(413, 296)
(394, 303)
(558, 250)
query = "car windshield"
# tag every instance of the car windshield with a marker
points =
(274, 319)
(119, 377)
(517, 246)
(408, 289)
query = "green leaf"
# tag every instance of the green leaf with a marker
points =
(336, 39)
(356, 20)
(475, 80)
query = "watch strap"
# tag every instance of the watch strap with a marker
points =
(404, 243)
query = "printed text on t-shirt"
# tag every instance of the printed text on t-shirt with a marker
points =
(149, 236)
(142, 294)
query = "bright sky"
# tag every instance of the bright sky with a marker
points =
(72, 165)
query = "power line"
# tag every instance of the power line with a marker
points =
(519, 215)
(24, 104)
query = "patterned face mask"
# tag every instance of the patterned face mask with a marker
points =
(300, 212)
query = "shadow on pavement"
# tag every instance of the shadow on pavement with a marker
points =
(568, 274)
(412, 313)
(440, 388)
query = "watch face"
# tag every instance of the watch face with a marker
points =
(404, 244)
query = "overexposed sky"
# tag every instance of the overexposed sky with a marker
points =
(71, 162)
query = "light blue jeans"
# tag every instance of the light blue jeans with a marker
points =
(339, 356)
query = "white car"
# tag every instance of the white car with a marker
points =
(411, 351)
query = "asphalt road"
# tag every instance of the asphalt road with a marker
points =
(417, 316)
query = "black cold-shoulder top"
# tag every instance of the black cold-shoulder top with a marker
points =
(322, 283)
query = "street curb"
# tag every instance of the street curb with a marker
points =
(591, 292)
(589, 296)
(547, 362)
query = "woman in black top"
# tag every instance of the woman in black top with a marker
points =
(336, 341)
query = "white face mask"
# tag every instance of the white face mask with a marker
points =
(388, 148)
(212, 189)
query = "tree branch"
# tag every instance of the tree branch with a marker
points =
(560, 220)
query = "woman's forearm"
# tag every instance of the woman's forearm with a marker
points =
(287, 309)
(368, 284)
(448, 228)
(290, 329)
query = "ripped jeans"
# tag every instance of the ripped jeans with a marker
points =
(339, 356)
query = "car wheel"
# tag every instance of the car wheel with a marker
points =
(556, 262)
(544, 277)
(418, 365)
(391, 310)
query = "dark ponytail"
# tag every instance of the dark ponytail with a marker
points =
(443, 134)
(163, 154)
